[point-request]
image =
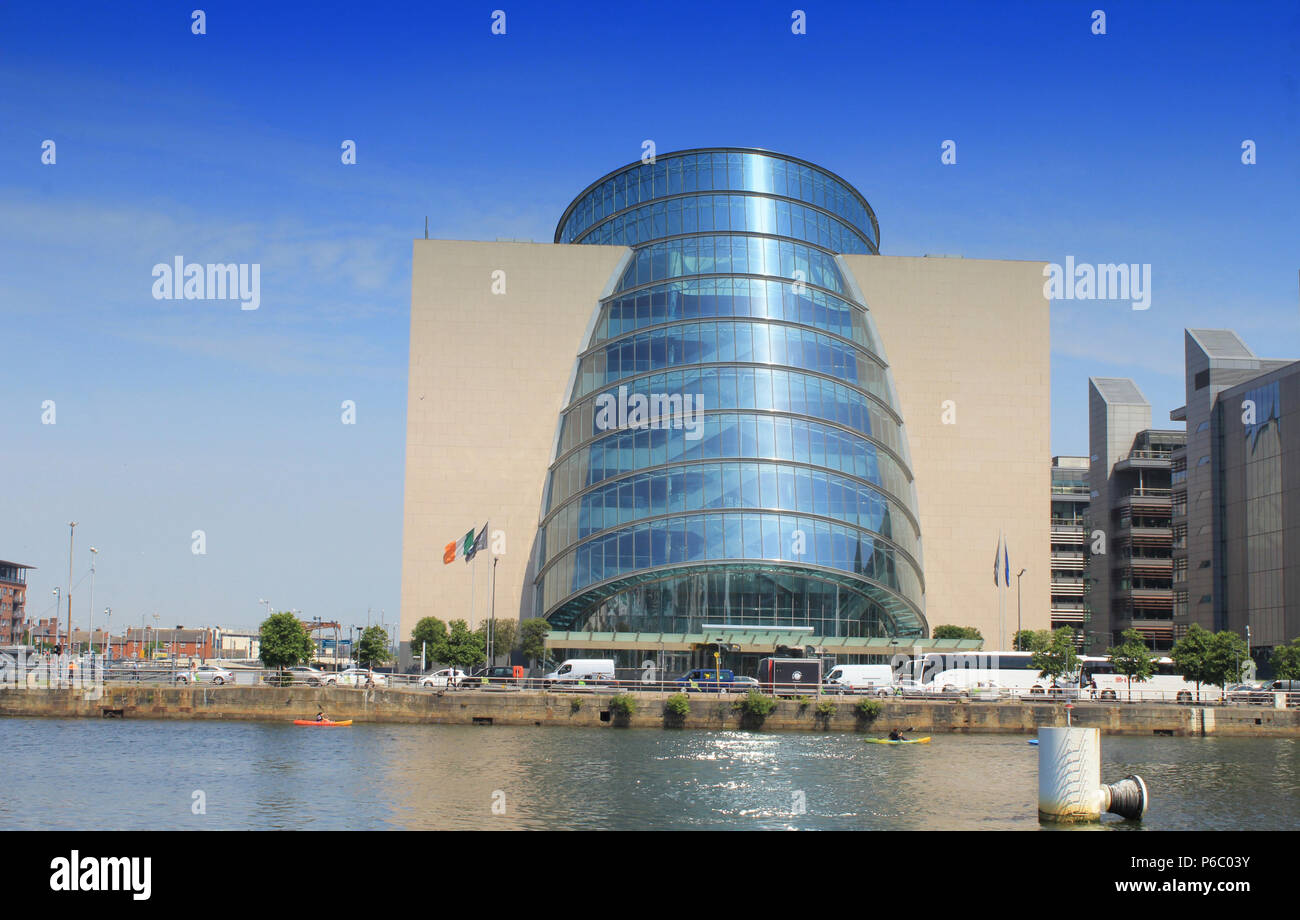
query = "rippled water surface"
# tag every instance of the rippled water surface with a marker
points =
(145, 774)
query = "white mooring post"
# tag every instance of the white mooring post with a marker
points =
(1069, 779)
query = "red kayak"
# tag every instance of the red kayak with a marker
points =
(324, 724)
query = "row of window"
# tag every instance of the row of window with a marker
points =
(768, 389)
(730, 436)
(728, 255)
(696, 298)
(724, 342)
(692, 172)
(739, 213)
(745, 596)
(715, 388)
(729, 536)
(729, 485)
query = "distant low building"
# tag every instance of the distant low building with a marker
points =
(13, 601)
(239, 643)
(177, 641)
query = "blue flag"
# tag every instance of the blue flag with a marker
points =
(995, 560)
(1006, 559)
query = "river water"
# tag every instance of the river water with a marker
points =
(138, 774)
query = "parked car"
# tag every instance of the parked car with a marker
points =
(495, 676)
(581, 671)
(742, 684)
(707, 680)
(206, 674)
(302, 674)
(355, 677)
(860, 678)
(440, 680)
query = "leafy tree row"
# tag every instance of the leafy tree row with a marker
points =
(286, 642)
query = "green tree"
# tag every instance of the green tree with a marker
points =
(1031, 640)
(532, 635)
(1228, 656)
(1286, 661)
(463, 648)
(373, 647)
(284, 641)
(1191, 656)
(429, 635)
(957, 632)
(1058, 659)
(1132, 659)
(504, 635)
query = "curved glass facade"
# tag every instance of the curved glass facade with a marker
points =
(764, 481)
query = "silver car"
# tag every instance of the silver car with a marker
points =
(301, 674)
(206, 674)
(354, 677)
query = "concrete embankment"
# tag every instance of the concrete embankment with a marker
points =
(483, 707)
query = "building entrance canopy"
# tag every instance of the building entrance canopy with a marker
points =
(757, 641)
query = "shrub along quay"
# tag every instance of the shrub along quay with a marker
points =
(645, 710)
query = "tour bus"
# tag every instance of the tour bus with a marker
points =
(1165, 684)
(992, 672)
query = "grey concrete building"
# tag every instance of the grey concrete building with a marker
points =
(1130, 541)
(1070, 499)
(1236, 497)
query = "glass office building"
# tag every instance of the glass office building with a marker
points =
(732, 450)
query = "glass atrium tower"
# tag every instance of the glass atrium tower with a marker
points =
(788, 501)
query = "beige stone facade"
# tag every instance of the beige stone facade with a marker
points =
(490, 373)
(974, 332)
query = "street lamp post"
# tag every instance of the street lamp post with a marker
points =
(72, 530)
(58, 594)
(90, 621)
(108, 632)
(1018, 625)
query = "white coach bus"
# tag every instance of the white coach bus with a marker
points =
(987, 671)
(1099, 680)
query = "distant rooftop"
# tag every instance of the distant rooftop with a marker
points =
(1221, 343)
(1119, 390)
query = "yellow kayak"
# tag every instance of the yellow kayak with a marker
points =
(324, 724)
(925, 740)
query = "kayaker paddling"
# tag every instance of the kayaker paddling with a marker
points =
(896, 735)
(320, 716)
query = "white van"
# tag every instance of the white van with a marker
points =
(860, 678)
(585, 670)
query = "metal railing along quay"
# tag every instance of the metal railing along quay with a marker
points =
(81, 675)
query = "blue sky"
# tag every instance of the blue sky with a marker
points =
(176, 416)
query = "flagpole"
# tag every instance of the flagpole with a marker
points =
(472, 593)
(1002, 598)
(1002, 614)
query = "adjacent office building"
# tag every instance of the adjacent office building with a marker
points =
(1236, 493)
(711, 410)
(1130, 568)
(1203, 526)
(1070, 498)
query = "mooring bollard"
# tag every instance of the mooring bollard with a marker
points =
(1069, 779)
